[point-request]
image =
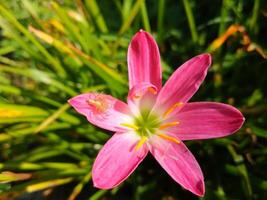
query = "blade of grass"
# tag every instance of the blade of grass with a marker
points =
(75, 172)
(78, 188)
(125, 8)
(20, 166)
(30, 130)
(145, 17)
(191, 20)
(72, 28)
(128, 21)
(52, 118)
(50, 40)
(254, 17)
(4, 137)
(242, 171)
(6, 49)
(223, 17)
(11, 177)
(8, 61)
(48, 184)
(160, 20)
(94, 10)
(13, 112)
(53, 61)
(117, 82)
(98, 194)
(31, 166)
(98, 67)
(32, 9)
(43, 99)
(10, 89)
(10, 32)
(39, 76)
(11, 120)
(218, 70)
(36, 157)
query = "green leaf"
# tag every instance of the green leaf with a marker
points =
(10, 113)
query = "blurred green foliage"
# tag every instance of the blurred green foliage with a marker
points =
(53, 50)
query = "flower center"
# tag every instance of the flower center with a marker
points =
(146, 124)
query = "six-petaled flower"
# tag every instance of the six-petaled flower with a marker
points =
(156, 119)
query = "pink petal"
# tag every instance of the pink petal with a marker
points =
(144, 60)
(104, 110)
(184, 82)
(117, 160)
(180, 164)
(203, 120)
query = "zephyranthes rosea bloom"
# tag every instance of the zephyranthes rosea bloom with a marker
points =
(156, 119)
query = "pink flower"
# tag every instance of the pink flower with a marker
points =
(156, 119)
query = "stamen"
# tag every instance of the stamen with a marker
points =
(169, 138)
(137, 96)
(172, 108)
(93, 102)
(152, 90)
(168, 124)
(140, 143)
(130, 126)
(99, 103)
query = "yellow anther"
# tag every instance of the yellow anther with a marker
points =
(140, 143)
(137, 96)
(100, 103)
(169, 138)
(152, 90)
(130, 126)
(168, 124)
(94, 102)
(172, 108)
